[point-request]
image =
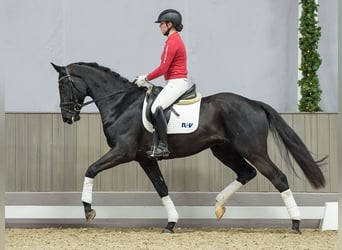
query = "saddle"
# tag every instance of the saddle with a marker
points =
(189, 97)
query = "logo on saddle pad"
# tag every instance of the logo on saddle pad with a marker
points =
(183, 118)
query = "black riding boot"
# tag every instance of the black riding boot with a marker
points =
(160, 147)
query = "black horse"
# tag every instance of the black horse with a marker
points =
(233, 127)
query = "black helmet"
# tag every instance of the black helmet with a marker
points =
(171, 15)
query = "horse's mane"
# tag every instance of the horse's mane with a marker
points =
(104, 69)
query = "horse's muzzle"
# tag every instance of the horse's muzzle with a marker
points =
(72, 119)
(68, 120)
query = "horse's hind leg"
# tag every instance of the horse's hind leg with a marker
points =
(266, 167)
(153, 172)
(245, 172)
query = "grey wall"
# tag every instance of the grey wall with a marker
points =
(247, 47)
(328, 49)
(2, 141)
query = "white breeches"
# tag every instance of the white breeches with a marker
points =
(173, 89)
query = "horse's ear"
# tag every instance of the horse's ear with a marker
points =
(57, 68)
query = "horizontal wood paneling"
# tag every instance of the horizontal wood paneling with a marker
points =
(45, 155)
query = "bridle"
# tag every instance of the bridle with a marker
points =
(74, 102)
(76, 105)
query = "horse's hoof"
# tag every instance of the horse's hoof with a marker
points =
(295, 226)
(296, 231)
(169, 228)
(168, 231)
(90, 215)
(220, 212)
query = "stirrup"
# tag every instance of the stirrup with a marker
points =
(158, 152)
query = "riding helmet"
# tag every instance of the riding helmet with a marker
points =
(171, 15)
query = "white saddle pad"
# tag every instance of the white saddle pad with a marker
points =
(186, 122)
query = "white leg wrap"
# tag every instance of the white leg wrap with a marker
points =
(172, 214)
(290, 204)
(87, 190)
(222, 197)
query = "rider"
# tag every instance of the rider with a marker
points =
(174, 69)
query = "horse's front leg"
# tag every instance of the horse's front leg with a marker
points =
(109, 160)
(153, 172)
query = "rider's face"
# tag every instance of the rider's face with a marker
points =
(164, 27)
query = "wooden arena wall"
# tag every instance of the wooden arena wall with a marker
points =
(45, 155)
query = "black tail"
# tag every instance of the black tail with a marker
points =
(295, 146)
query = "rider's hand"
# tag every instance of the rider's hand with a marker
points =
(140, 80)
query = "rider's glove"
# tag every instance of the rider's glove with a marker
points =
(140, 80)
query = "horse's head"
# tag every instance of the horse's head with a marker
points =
(72, 92)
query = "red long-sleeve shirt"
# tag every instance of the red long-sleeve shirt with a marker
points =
(173, 60)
